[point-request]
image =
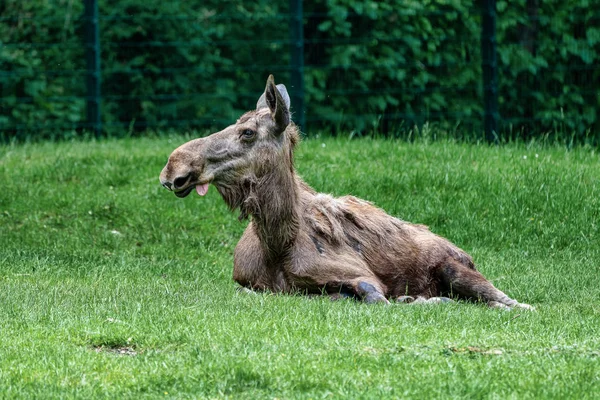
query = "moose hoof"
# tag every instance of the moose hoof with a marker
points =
(376, 298)
(245, 290)
(432, 300)
(525, 306)
(405, 299)
(420, 300)
(440, 300)
(370, 294)
(497, 304)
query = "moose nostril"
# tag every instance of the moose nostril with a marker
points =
(181, 181)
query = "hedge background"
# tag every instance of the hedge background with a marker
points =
(370, 66)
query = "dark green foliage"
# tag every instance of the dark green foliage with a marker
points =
(386, 62)
(189, 61)
(370, 66)
(549, 53)
(41, 65)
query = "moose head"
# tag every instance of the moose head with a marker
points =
(237, 157)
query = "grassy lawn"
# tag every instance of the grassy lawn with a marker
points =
(111, 287)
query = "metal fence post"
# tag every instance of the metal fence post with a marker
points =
(297, 61)
(489, 68)
(92, 58)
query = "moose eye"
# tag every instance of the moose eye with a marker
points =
(248, 134)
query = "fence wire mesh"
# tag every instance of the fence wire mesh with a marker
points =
(356, 68)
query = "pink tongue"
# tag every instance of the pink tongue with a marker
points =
(202, 189)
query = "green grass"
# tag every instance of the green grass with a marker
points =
(111, 287)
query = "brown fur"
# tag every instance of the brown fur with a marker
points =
(302, 241)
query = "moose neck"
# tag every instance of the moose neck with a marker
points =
(275, 210)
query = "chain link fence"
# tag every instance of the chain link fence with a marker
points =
(517, 69)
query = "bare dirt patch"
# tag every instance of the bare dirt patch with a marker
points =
(117, 350)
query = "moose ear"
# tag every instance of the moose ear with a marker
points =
(262, 102)
(277, 99)
(284, 95)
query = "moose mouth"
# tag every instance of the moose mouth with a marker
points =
(201, 189)
(183, 193)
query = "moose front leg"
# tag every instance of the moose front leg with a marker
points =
(339, 274)
(250, 267)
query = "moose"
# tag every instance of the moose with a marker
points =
(301, 241)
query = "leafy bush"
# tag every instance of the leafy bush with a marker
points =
(548, 53)
(189, 63)
(370, 66)
(41, 65)
(381, 62)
